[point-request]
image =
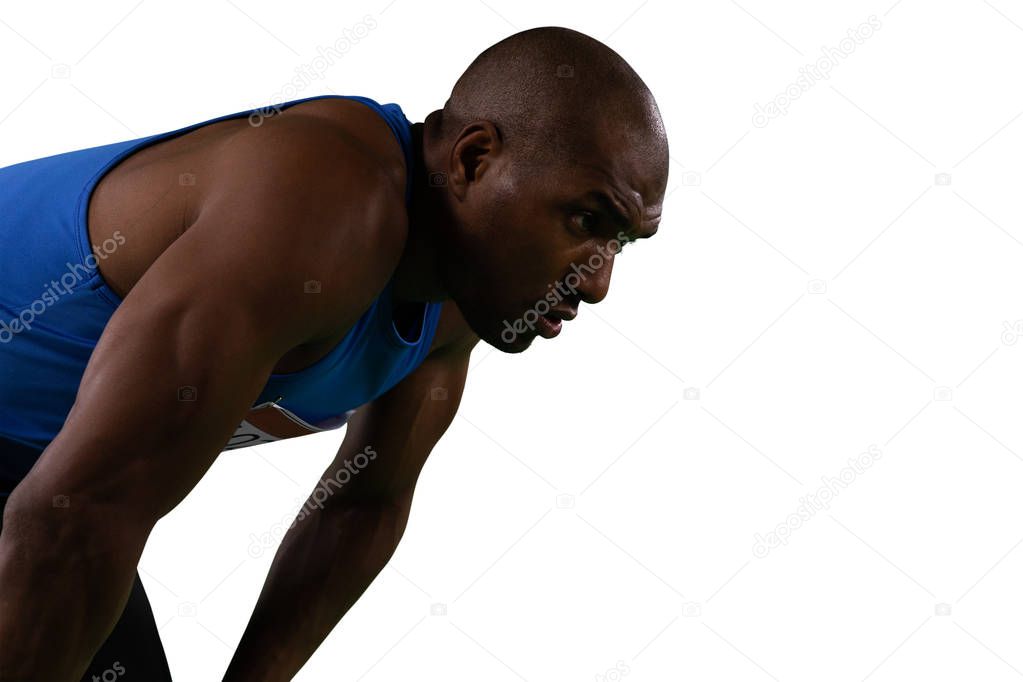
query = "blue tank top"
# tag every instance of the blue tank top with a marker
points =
(54, 305)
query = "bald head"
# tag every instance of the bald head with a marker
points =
(551, 89)
(552, 155)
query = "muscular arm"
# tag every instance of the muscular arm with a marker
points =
(177, 367)
(330, 556)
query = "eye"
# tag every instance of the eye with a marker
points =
(584, 221)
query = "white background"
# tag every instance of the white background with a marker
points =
(817, 285)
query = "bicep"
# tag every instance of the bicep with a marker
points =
(186, 354)
(168, 381)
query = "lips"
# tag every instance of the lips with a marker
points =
(548, 326)
(561, 314)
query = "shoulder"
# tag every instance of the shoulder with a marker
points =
(301, 156)
(317, 207)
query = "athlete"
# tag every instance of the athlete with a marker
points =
(273, 273)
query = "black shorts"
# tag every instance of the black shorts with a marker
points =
(133, 650)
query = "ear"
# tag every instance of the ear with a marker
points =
(476, 150)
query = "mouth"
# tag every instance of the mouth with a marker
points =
(548, 326)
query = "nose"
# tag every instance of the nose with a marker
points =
(596, 277)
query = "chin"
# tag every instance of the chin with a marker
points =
(517, 346)
(497, 334)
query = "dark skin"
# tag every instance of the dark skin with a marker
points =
(202, 308)
(525, 228)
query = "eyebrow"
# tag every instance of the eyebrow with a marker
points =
(619, 217)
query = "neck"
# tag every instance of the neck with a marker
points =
(417, 277)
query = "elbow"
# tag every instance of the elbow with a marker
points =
(63, 530)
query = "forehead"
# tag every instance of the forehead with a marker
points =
(605, 162)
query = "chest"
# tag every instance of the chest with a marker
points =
(377, 353)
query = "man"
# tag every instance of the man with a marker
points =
(269, 274)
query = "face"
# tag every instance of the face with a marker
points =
(529, 244)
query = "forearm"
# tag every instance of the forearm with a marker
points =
(62, 589)
(324, 564)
